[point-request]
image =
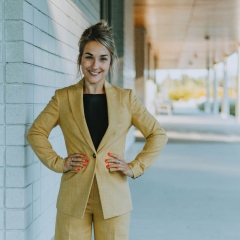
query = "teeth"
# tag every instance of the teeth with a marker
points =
(94, 73)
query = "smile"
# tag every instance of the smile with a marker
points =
(94, 73)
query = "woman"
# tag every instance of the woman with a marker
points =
(95, 117)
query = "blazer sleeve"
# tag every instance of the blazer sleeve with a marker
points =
(39, 133)
(152, 131)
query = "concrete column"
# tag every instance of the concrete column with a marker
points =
(140, 63)
(207, 103)
(215, 102)
(225, 100)
(237, 110)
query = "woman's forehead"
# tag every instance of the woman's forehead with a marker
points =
(96, 48)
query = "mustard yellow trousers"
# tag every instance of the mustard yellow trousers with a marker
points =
(71, 228)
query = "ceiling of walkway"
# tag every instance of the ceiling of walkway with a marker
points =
(178, 30)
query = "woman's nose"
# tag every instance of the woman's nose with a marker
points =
(95, 64)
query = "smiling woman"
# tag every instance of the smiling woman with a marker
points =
(95, 117)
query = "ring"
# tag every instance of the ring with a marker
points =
(71, 163)
(72, 159)
(119, 161)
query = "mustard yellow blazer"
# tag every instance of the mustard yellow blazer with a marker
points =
(124, 110)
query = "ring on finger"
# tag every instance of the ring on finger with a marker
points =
(119, 161)
(71, 163)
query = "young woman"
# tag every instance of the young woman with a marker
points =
(95, 117)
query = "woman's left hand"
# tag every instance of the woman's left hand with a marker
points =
(119, 164)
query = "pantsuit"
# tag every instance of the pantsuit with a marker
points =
(72, 228)
(66, 110)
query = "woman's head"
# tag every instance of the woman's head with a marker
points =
(97, 51)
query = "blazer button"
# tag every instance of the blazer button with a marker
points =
(94, 155)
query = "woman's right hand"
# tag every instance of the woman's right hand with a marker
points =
(75, 162)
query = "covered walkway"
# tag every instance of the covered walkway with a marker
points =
(192, 192)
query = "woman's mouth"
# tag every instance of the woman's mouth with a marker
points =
(93, 73)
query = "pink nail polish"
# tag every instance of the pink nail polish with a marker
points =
(84, 165)
(85, 160)
(109, 153)
(106, 160)
(78, 169)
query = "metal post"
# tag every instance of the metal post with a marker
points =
(215, 103)
(225, 100)
(237, 109)
(207, 107)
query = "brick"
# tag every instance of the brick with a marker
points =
(18, 197)
(1, 73)
(18, 177)
(1, 197)
(1, 9)
(36, 226)
(19, 73)
(45, 41)
(36, 171)
(2, 133)
(26, 234)
(1, 30)
(1, 94)
(40, 20)
(28, 12)
(19, 156)
(19, 114)
(18, 219)
(18, 31)
(37, 37)
(37, 56)
(1, 219)
(13, 9)
(19, 10)
(41, 6)
(36, 209)
(1, 177)
(19, 94)
(44, 59)
(36, 190)
(19, 52)
(1, 114)
(2, 156)
(15, 135)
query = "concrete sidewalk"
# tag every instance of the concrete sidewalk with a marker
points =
(192, 192)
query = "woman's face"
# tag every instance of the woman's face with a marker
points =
(95, 62)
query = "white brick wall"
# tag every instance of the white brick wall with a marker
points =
(41, 47)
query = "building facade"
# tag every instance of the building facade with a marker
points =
(38, 53)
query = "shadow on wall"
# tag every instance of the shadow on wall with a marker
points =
(47, 32)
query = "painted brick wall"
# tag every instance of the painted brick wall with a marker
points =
(38, 52)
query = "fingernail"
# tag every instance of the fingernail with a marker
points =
(86, 160)
(106, 160)
(78, 169)
(108, 166)
(84, 165)
(109, 153)
(84, 155)
(117, 168)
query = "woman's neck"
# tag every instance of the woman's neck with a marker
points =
(93, 88)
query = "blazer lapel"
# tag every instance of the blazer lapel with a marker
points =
(113, 104)
(75, 96)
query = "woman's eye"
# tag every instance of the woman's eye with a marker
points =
(103, 59)
(89, 57)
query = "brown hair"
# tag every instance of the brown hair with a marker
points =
(101, 33)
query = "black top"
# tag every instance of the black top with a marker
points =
(96, 115)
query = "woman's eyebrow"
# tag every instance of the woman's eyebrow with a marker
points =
(103, 55)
